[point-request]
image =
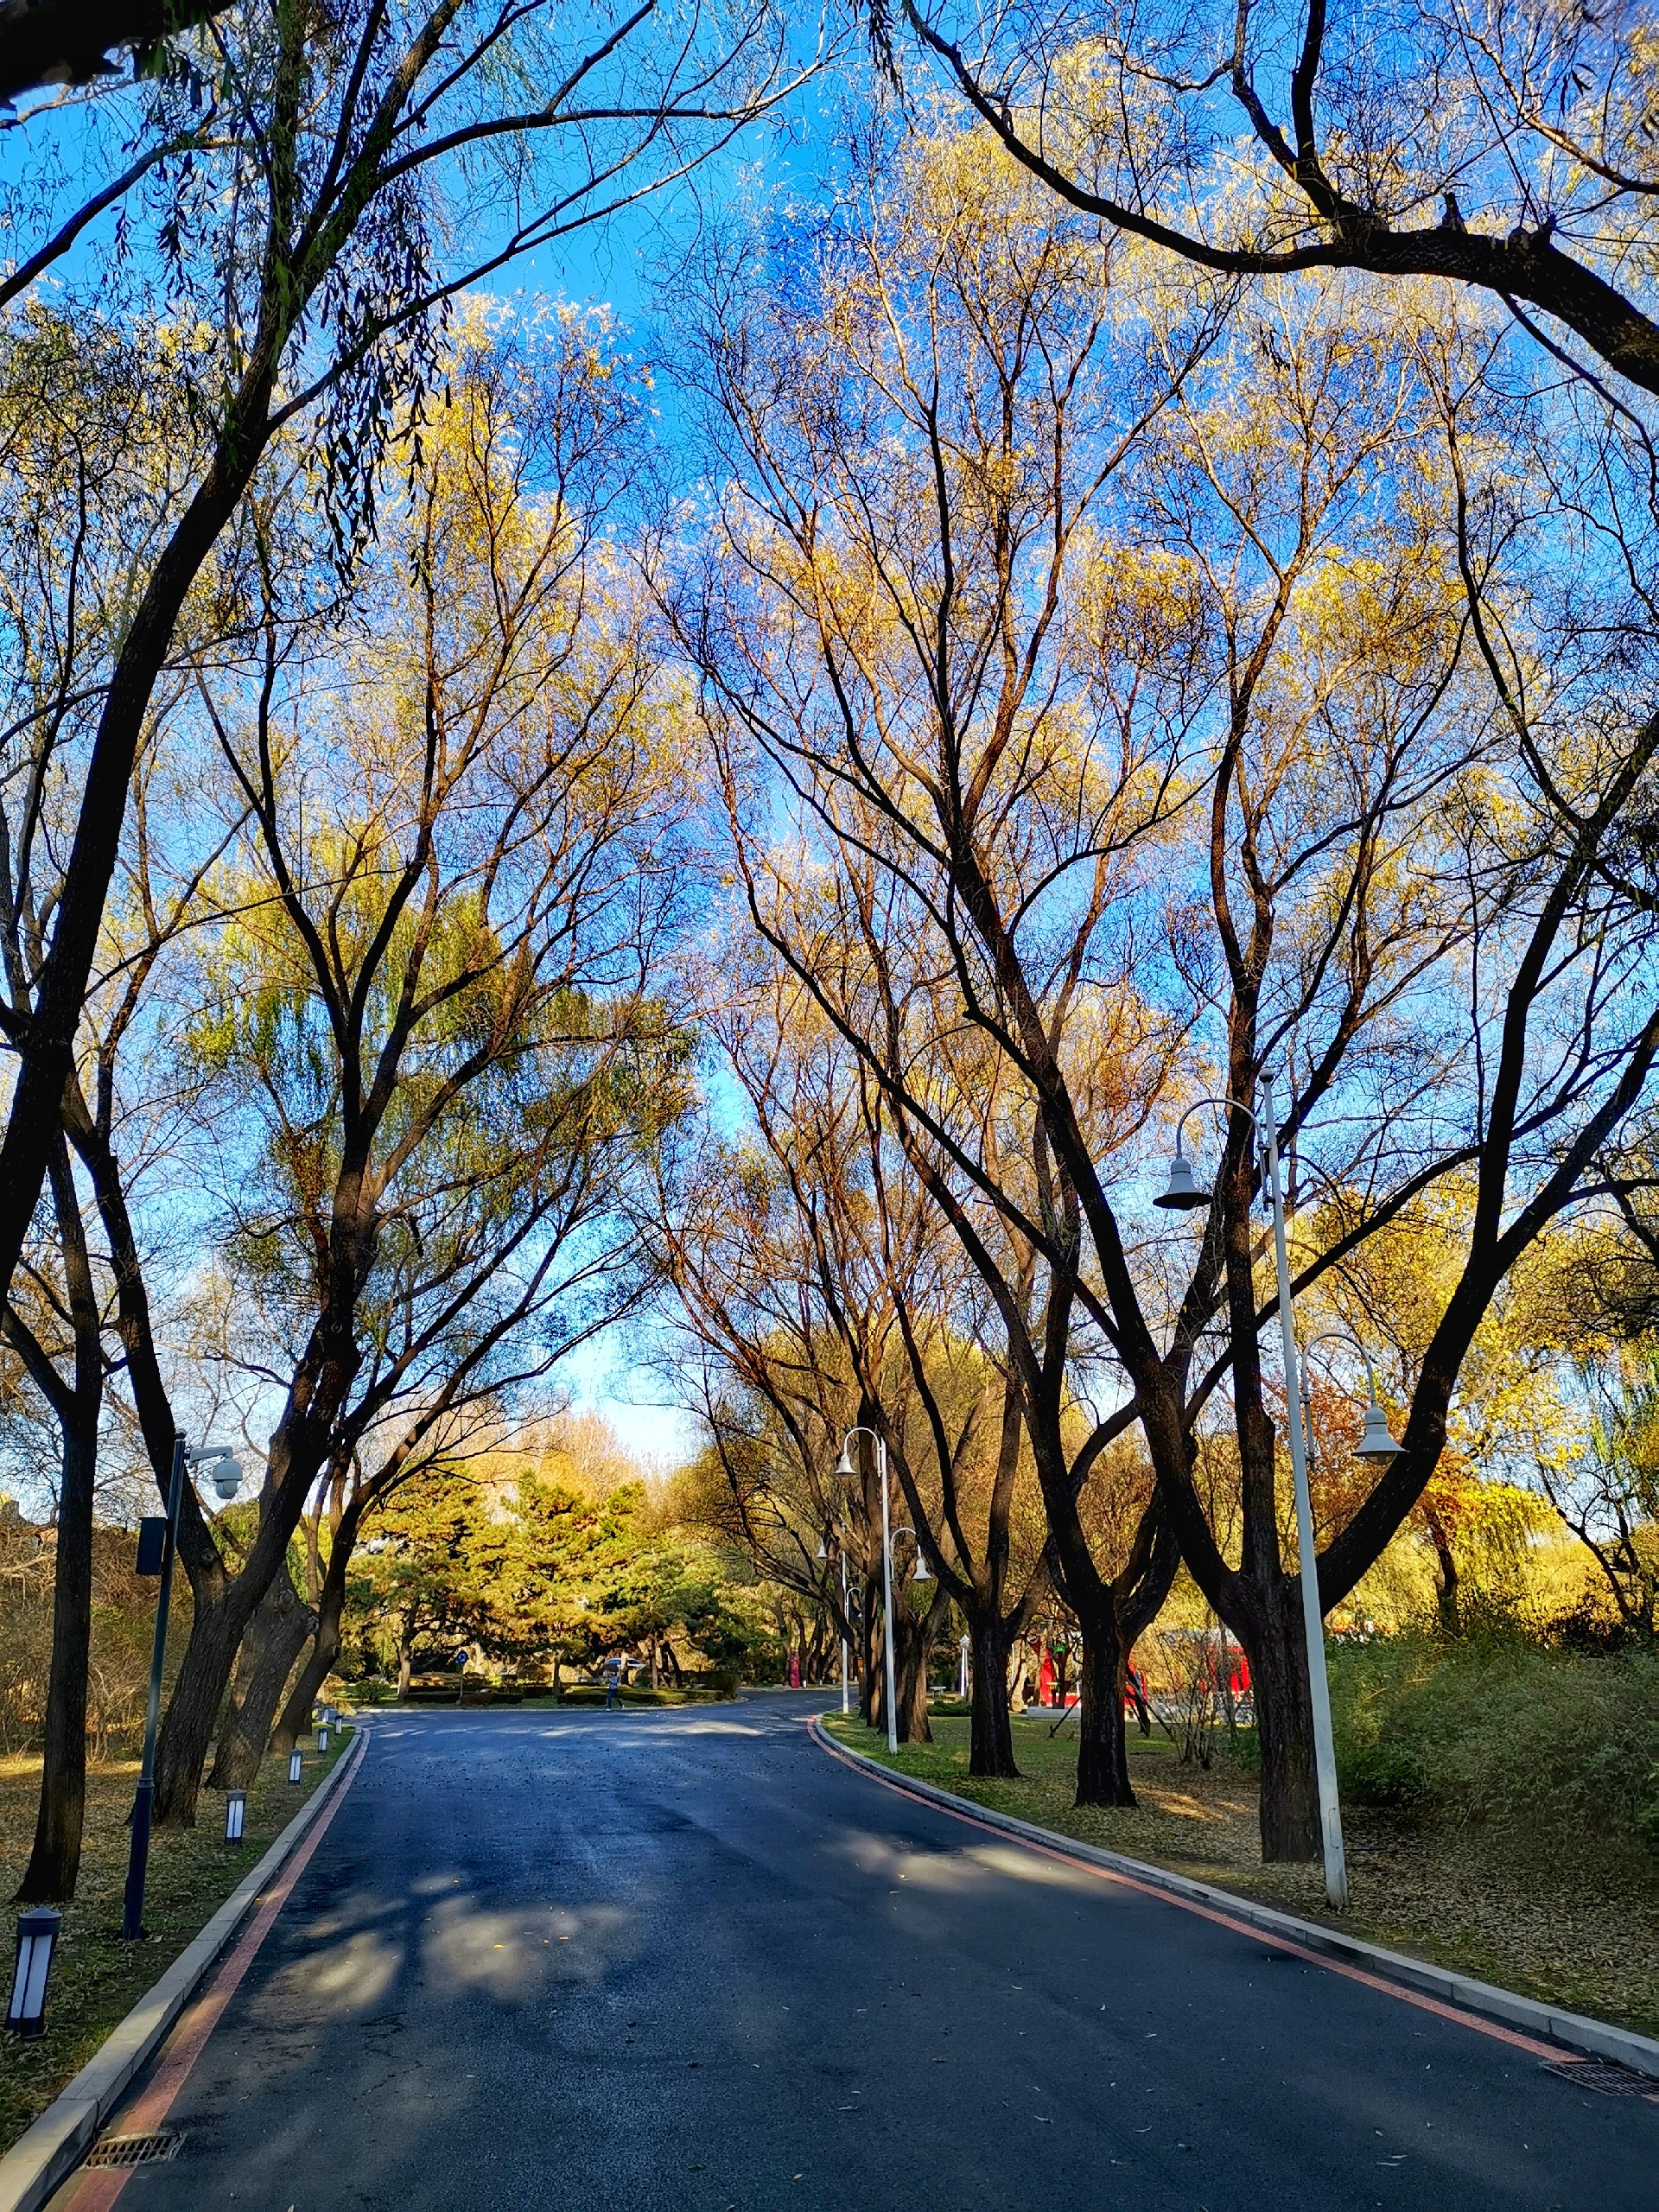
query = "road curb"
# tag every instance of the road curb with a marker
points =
(1572, 2031)
(42, 2159)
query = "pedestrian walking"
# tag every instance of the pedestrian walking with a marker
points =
(612, 1682)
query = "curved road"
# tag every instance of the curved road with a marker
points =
(684, 1959)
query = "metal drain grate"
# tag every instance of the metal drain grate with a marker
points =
(135, 2149)
(1602, 2073)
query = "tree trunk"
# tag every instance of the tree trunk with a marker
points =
(405, 1651)
(909, 1681)
(330, 1603)
(193, 1709)
(219, 1625)
(273, 1640)
(55, 1862)
(910, 1673)
(875, 1677)
(1130, 1686)
(1290, 1804)
(1102, 1750)
(296, 1715)
(1445, 1581)
(991, 1730)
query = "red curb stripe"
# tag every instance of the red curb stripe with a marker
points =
(97, 2190)
(1456, 2014)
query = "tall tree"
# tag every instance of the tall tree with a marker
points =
(365, 165)
(435, 1028)
(1073, 639)
(885, 1279)
(92, 470)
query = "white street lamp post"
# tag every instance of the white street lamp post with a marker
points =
(845, 1707)
(1182, 1195)
(845, 1467)
(1325, 1750)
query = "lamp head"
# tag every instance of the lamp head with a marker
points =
(844, 1468)
(1182, 1193)
(822, 1553)
(1376, 1443)
(924, 1573)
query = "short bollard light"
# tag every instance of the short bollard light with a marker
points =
(322, 1737)
(236, 1812)
(294, 1763)
(37, 1931)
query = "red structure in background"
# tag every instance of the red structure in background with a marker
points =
(1236, 1684)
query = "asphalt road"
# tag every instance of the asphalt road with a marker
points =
(627, 1961)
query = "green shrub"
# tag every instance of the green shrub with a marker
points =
(1494, 1730)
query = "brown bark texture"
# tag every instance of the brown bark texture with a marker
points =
(273, 1640)
(54, 1866)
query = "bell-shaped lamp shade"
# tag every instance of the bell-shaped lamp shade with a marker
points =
(236, 1813)
(924, 1572)
(1375, 1442)
(1182, 1193)
(822, 1553)
(844, 1467)
(225, 1476)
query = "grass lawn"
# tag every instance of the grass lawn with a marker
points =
(96, 1977)
(1585, 1935)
